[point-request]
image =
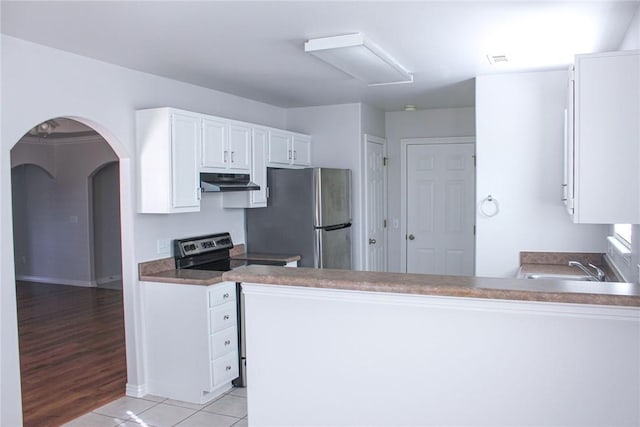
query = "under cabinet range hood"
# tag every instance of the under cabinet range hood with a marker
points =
(218, 182)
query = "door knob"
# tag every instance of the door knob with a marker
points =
(411, 237)
(372, 241)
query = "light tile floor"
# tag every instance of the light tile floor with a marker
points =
(228, 410)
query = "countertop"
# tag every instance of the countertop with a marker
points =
(562, 291)
(163, 270)
(263, 257)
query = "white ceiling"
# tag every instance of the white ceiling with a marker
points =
(255, 49)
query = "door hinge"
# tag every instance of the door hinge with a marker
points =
(474, 230)
(385, 161)
(474, 160)
(384, 223)
(267, 192)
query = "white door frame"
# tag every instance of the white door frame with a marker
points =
(404, 143)
(365, 194)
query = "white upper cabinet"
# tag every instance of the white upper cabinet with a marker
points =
(240, 147)
(175, 146)
(168, 144)
(288, 149)
(279, 148)
(301, 150)
(214, 144)
(226, 146)
(256, 198)
(606, 139)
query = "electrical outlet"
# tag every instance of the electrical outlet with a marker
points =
(163, 246)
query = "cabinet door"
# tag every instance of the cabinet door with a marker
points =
(214, 144)
(259, 167)
(607, 131)
(301, 150)
(185, 136)
(279, 149)
(239, 148)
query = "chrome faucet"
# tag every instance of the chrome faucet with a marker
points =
(598, 275)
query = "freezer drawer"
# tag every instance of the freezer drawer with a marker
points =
(333, 248)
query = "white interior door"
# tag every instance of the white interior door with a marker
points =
(375, 202)
(440, 187)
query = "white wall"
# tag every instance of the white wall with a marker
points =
(373, 121)
(416, 124)
(519, 146)
(56, 244)
(632, 37)
(105, 97)
(336, 143)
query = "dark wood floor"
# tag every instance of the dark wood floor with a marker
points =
(72, 350)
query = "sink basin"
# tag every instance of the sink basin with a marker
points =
(551, 276)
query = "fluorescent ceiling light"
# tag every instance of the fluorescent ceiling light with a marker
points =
(360, 58)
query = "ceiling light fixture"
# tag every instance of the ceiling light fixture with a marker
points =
(410, 107)
(44, 129)
(359, 57)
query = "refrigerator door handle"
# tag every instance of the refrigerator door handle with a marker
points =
(335, 227)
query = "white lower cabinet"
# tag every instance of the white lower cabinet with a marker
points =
(191, 340)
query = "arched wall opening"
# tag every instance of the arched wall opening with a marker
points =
(121, 163)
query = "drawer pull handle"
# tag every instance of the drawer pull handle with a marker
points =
(227, 342)
(228, 368)
(226, 317)
(225, 295)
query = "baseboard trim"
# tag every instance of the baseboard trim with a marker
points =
(136, 390)
(56, 281)
(108, 279)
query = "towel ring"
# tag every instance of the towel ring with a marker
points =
(489, 206)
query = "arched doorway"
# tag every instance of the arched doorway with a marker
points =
(71, 332)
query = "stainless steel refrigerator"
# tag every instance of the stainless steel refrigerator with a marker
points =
(308, 213)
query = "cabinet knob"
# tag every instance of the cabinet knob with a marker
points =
(227, 342)
(226, 317)
(372, 241)
(411, 237)
(228, 368)
(225, 295)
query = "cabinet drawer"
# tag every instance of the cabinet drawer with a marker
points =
(222, 293)
(224, 342)
(223, 316)
(225, 368)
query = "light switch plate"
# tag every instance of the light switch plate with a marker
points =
(163, 246)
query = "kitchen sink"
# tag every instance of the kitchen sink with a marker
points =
(551, 276)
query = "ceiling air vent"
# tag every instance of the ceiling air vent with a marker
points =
(497, 59)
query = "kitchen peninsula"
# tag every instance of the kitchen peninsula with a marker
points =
(332, 347)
